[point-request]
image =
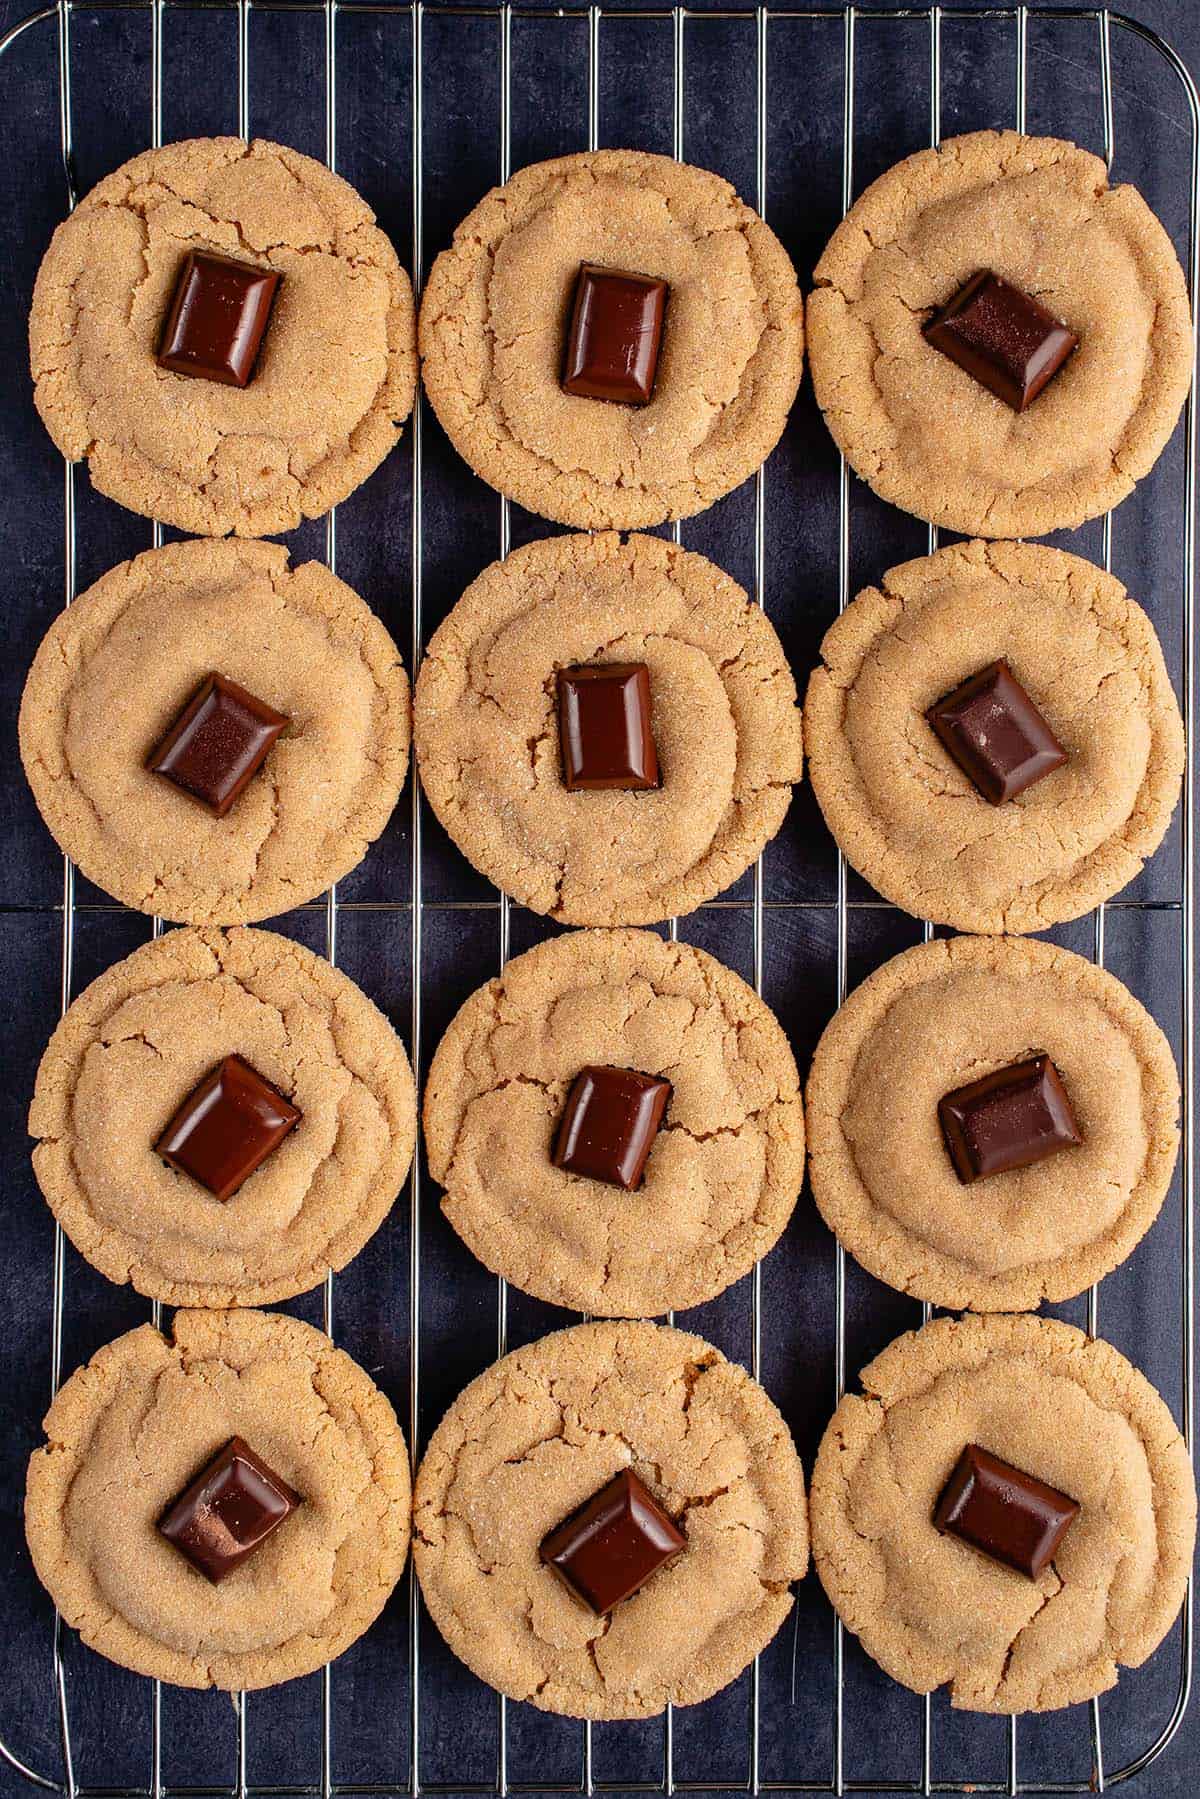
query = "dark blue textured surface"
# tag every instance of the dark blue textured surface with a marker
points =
(1139, 1306)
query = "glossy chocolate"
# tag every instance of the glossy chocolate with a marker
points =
(616, 331)
(228, 1512)
(610, 1123)
(605, 735)
(610, 1547)
(218, 743)
(227, 1127)
(996, 734)
(1003, 337)
(1009, 1515)
(217, 319)
(1007, 1120)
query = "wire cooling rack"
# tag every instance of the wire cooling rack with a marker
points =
(767, 1724)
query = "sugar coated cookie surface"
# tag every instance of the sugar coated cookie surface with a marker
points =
(934, 1610)
(948, 1013)
(109, 681)
(725, 1165)
(722, 713)
(904, 811)
(140, 1421)
(534, 1438)
(927, 435)
(140, 1039)
(334, 379)
(494, 318)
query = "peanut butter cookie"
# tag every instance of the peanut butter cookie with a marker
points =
(542, 1432)
(128, 1435)
(725, 1163)
(333, 380)
(620, 844)
(932, 437)
(495, 315)
(947, 1014)
(907, 813)
(1051, 1404)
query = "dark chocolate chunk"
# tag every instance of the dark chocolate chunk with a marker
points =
(610, 1547)
(217, 319)
(228, 1512)
(996, 734)
(604, 728)
(227, 1127)
(1003, 337)
(1009, 1119)
(616, 330)
(218, 743)
(610, 1123)
(1009, 1515)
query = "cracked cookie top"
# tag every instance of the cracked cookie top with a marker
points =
(901, 808)
(723, 712)
(1066, 1409)
(116, 669)
(140, 1039)
(335, 377)
(538, 1434)
(948, 1013)
(140, 1421)
(494, 316)
(1040, 214)
(725, 1166)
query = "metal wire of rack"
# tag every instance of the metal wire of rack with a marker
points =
(762, 20)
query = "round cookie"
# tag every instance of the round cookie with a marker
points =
(335, 376)
(929, 437)
(948, 1013)
(903, 811)
(495, 310)
(725, 1166)
(140, 1039)
(932, 1610)
(140, 1421)
(531, 1440)
(723, 714)
(108, 681)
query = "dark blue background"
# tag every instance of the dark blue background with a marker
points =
(1140, 1306)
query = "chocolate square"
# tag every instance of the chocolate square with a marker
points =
(610, 1547)
(610, 1122)
(1004, 338)
(1009, 1515)
(228, 1512)
(227, 1127)
(604, 730)
(996, 734)
(217, 319)
(1007, 1120)
(616, 330)
(218, 743)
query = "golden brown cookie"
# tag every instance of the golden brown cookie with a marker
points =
(110, 679)
(724, 1168)
(933, 1610)
(495, 311)
(335, 376)
(937, 1018)
(531, 1440)
(1039, 213)
(724, 718)
(129, 1432)
(906, 815)
(139, 1041)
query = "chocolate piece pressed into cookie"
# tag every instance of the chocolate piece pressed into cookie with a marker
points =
(605, 733)
(227, 1127)
(996, 734)
(218, 743)
(218, 319)
(608, 1128)
(228, 1511)
(1010, 1119)
(1003, 337)
(616, 330)
(1008, 1514)
(610, 1548)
